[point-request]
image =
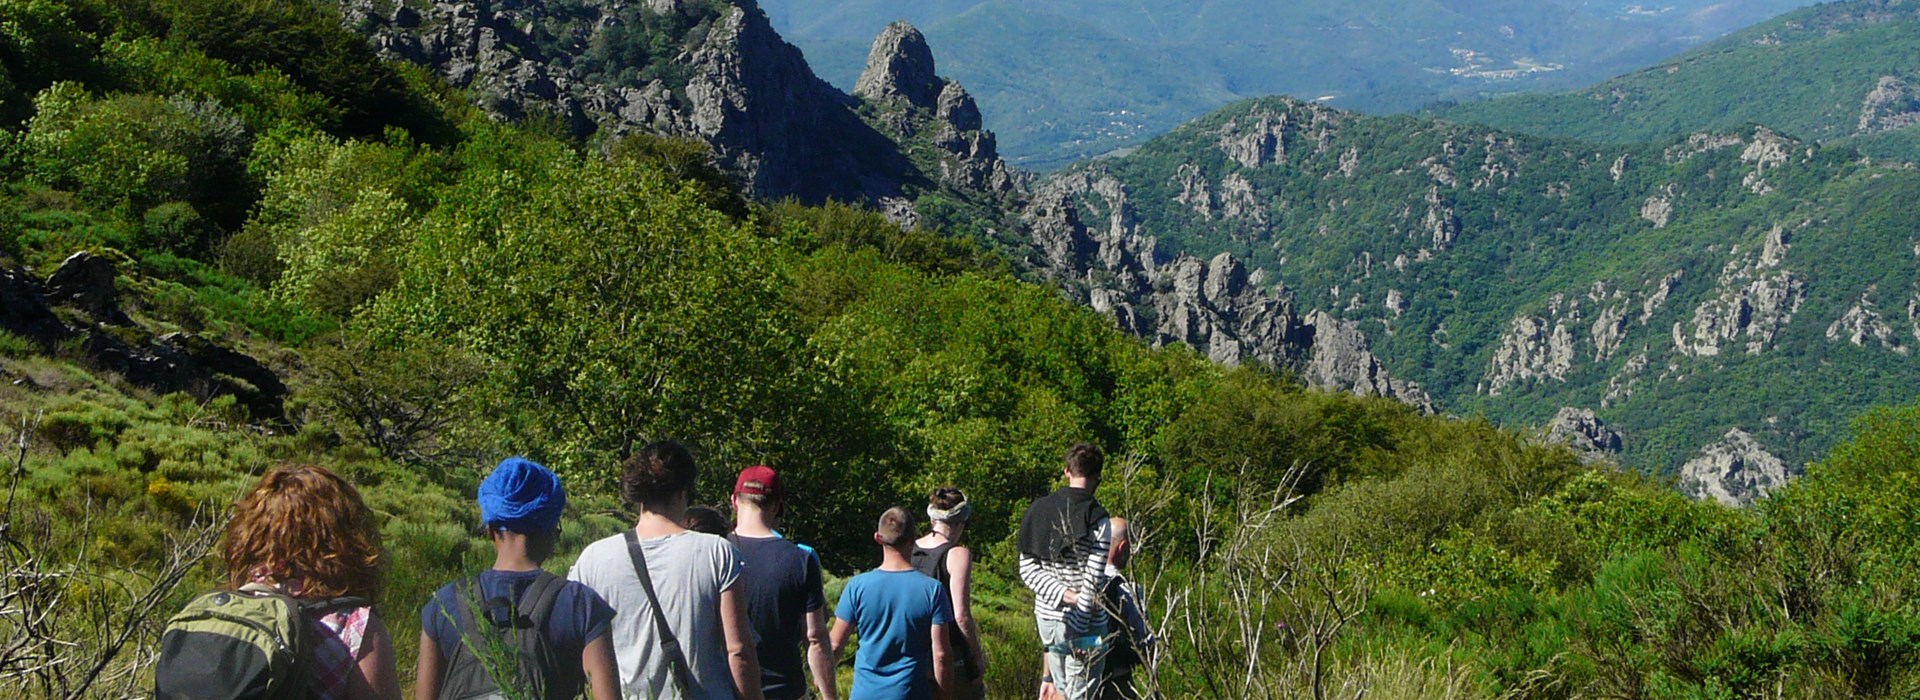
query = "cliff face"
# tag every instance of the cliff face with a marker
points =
(725, 77)
(1084, 233)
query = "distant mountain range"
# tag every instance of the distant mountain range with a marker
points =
(1069, 79)
(1844, 72)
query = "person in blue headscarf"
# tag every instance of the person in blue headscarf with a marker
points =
(518, 604)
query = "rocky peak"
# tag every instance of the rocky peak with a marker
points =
(900, 68)
(1085, 236)
(1736, 471)
(732, 83)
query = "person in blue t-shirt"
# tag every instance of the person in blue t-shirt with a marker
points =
(901, 616)
(520, 503)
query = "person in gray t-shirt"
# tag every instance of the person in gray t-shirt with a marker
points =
(697, 579)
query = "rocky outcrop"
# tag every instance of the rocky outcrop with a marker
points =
(1622, 384)
(1341, 360)
(1530, 349)
(1697, 144)
(1766, 151)
(1195, 192)
(85, 282)
(1267, 134)
(1548, 344)
(733, 83)
(1862, 323)
(1658, 209)
(1892, 104)
(1736, 471)
(1754, 300)
(915, 103)
(1084, 234)
(1238, 201)
(25, 312)
(1583, 432)
(109, 340)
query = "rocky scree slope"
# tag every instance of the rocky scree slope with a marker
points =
(1737, 280)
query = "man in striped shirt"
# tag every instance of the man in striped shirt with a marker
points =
(1064, 538)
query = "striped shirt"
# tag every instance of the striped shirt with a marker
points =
(1085, 575)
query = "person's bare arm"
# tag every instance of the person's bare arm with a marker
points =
(740, 654)
(960, 572)
(821, 655)
(943, 678)
(426, 673)
(603, 673)
(841, 631)
(377, 678)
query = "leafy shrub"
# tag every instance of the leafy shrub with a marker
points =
(174, 227)
(132, 153)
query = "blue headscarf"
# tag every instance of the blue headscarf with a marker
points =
(522, 496)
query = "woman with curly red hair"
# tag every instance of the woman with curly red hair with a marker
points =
(305, 531)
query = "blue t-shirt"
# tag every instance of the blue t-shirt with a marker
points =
(782, 584)
(579, 617)
(894, 612)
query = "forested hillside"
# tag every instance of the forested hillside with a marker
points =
(294, 251)
(1837, 72)
(1737, 280)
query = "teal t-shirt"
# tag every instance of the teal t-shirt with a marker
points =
(894, 613)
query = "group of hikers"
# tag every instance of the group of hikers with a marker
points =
(683, 604)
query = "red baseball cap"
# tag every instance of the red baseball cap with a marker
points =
(758, 480)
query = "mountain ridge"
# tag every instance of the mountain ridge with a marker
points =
(1117, 73)
(1834, 73)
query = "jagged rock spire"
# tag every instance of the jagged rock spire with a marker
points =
(900, 67)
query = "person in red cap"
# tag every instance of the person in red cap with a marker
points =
(786, 603)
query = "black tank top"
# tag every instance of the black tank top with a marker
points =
(932, 561)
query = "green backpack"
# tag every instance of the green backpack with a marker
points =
(248, 644)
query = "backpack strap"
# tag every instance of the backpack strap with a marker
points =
(934, 561)
(536, 608)
(669, 646)
(465, 626)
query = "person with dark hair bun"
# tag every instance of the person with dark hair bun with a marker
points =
(939, 554)
(708, 519)
(680, 629)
